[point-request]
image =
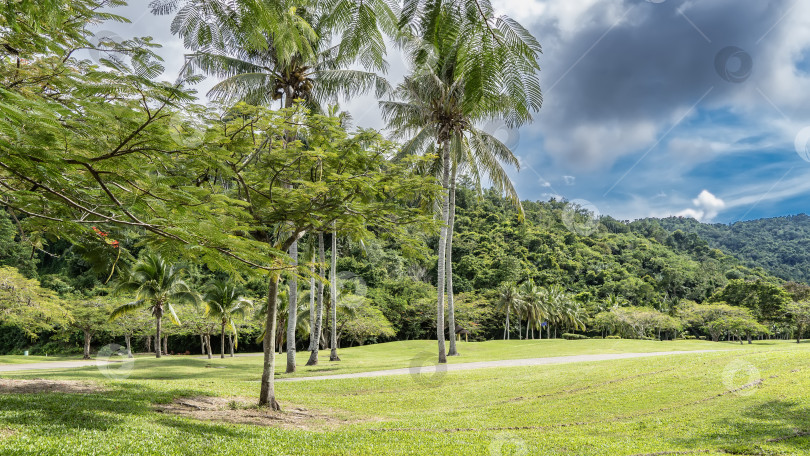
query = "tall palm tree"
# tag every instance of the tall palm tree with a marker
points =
(156, 284)
(224, 304)
(509, 300)
(466, 73)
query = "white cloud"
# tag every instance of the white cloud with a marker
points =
(569, 180)
(707, 206)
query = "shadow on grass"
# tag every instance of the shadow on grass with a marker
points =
(774, 422)
(56, 412)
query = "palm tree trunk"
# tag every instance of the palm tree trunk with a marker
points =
(333, 356)
(312, 308)
(292, 310)
(166, 345)
(451, 310)
(202, 343)
(548, 330)
(440, 280)
(157, 334)
(507, 324)
(267, 395)
(230, 340)
(315, 340)
(208, 346)
(148, 344)
(87, 337)
(222, 342)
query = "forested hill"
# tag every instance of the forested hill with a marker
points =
(640, 262)
(781, 245)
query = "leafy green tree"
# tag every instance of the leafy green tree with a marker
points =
(766, 300)
(224, 303)
(90, 316)
(799, 314)
(27, 306)
(155, 283)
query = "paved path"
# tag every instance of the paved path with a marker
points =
(417, 369)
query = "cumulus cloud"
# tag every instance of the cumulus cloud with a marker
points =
(707, 206)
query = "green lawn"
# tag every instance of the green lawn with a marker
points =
(20, 359)
(684, 404)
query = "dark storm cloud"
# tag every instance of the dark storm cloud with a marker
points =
(644, 65)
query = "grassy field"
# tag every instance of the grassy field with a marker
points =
(741, 400)
(20, 359)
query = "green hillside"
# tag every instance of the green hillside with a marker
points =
(780, 245)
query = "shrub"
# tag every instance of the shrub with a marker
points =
(613, 337)
(569, 336)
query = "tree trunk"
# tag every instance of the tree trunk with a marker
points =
(440, 280)
(158, 336)
(507, 324)
(230, 340)
(292, 311)
(149, 344)
(312, 308)
(451, 308)
(222, 342)
(87, 337)
(202, 343)
(315, 339)
(208, 345)
(166, 345)
(128, 342)
(267, 395)
(333, 278)
(548, 331)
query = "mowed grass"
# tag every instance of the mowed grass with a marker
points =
(753, 400)
(20, 359)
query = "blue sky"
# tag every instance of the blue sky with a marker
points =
(651, 107)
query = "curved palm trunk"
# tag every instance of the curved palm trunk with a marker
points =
(333, 356)
(440, 282)
(222, 342)
(315, 341)
(292, 311)
(451, 310)
(230, 339)
(267, 395)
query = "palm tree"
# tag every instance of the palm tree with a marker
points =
(463, 78)
(509, 300)
(224, 304)
(535, 306)
(156, 284)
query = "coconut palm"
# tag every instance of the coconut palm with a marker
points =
(535, 306)
(462, 79)
(224, 304)
(509, 300)
(156, 284)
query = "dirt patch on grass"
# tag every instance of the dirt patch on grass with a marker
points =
(6, 433)
(241, 410)
(9, 386)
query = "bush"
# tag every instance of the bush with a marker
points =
(687, 337)
(613, 337)
(569, 336)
